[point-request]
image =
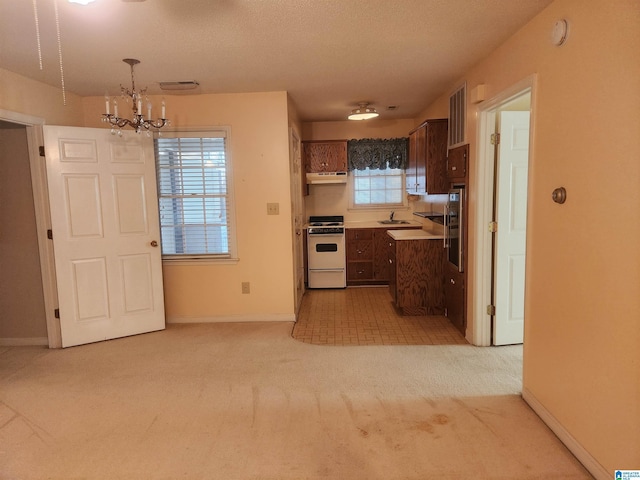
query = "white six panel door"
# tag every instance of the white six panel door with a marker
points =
(513, 164)
(102, 194)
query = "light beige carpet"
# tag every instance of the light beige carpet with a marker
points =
(246, 401)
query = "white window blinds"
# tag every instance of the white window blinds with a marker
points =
(374, 187)
(194, 195)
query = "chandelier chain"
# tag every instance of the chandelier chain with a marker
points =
(64, 93)
(37, 21)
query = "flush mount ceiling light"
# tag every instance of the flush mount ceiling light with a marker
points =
(363, 112)
(82, 2)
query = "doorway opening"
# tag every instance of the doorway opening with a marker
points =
(499, 280)
(41, 277)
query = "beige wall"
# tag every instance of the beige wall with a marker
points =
(260, 157)
(22, 313)
(29, 97)
(582, 306)
(350, 129)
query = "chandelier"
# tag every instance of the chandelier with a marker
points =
(138, 121)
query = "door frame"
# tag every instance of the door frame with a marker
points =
(37, 165)
(297, 205)
(483, 264)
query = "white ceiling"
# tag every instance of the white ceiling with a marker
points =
(328, 54)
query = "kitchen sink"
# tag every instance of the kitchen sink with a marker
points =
(392, 222)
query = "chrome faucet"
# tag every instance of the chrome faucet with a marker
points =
(391, 215)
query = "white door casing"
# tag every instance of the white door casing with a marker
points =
(104, 217)
(511, 216)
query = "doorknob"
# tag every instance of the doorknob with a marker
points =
(154, 243)
(559, 195)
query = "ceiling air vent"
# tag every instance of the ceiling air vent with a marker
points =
(188, 85)
(457, 116)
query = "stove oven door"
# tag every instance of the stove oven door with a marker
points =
(326, 261)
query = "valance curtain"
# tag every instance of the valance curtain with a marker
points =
(376, 153)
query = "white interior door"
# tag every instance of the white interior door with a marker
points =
(102, 191)
(511, 216)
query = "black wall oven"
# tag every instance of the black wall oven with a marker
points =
(454, 225)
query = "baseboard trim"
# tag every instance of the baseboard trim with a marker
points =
(24, 342)
(583, 456)
(258, 317)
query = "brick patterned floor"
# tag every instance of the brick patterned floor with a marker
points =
(366, 316)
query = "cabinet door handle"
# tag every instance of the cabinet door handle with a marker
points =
(391, 261)
(453, 168)
(453, 282)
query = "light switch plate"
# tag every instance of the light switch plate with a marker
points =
(273, 209)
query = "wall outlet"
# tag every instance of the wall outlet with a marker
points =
(246, 288)
(273, 209)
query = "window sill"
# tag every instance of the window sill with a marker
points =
(198, 261)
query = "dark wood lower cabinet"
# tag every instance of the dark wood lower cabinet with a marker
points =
(416, 286)
(367, 260)
(454, 290)
(360, 253)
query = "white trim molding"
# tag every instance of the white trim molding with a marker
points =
(255, 317)
(583, 456)
(24, 342)
(486, 113)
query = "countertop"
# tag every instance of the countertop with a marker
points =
(414, 235)
(375, 224)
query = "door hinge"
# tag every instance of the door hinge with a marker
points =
(495, 139)
(491, 310)
(50, 234)
(56, 313)
(41, 150)
(493, 227)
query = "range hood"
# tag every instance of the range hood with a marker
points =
(326, 177)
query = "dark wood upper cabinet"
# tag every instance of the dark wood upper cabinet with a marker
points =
(325, 156)
(457, 163)
(427, 169)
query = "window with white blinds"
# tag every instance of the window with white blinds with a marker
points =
(373, 187)
(195, 200)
